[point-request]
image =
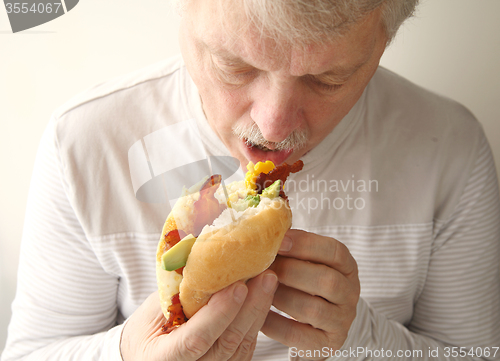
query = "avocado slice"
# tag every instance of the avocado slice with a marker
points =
(247, 202)
(273, 190)
(252, 201)
(176, 257)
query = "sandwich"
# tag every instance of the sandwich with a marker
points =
(218, 234)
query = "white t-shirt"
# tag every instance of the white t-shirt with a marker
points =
(406, 181)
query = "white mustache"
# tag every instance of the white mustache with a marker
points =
(253, 137)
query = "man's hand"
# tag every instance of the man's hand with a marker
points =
(319, 288)
(226, 328)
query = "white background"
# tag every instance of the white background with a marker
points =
(450, 46)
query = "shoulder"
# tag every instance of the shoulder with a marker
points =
(148, 76)
(431, 141)
(138, 103)
(94, 133)
(420, 120)
(112, 116)
(410, 105)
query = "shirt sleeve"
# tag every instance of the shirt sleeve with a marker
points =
(457, 314)
(66, 303)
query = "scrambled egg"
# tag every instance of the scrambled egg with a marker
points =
(239, 190)
(253, 172)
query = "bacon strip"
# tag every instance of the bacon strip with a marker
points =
(207, 208)
(281, 172)
(177, 316)
(172, 238)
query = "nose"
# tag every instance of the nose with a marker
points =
(276, 108)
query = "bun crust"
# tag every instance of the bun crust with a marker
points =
(239, 251)
(168, 282)
(237, 244)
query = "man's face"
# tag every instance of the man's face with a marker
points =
(291, 97)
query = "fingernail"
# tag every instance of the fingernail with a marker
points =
(240, 293)
(269, 282)
(286, 244)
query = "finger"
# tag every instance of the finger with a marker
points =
(319, 249)
(312, 310)
(239, 339)
(247, 355)
(267, 283)
(150, 310)
(314, 279)
(144, 324)
(197, 336)
(295, 334)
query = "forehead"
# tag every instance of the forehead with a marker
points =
(228, 34)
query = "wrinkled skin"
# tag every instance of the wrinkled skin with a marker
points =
(243, 79)
(226, 328)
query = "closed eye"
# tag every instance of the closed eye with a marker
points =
(325, 85)
(235, 74)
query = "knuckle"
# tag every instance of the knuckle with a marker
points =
(327, 282)
(194, 346)
(345, 325)
(247, 346)
(312, 311)
(292, 337)
(351, 316)
(284, 269)
(334, 248)
(354, 297)
(229, 342)
(342, 254)
(345, 317)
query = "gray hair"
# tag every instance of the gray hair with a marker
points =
(253, 136)
(311, 21)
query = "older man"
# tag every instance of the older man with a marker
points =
(396, 213)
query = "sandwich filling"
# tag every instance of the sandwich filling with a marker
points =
(205, 209)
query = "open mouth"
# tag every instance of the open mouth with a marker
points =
(258, 152)
(258, 146)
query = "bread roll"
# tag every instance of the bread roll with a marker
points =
(237, 244)
(238, 251)
(168, 282)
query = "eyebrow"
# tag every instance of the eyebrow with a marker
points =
(226, 55)
(341, 72)
(338, 72)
